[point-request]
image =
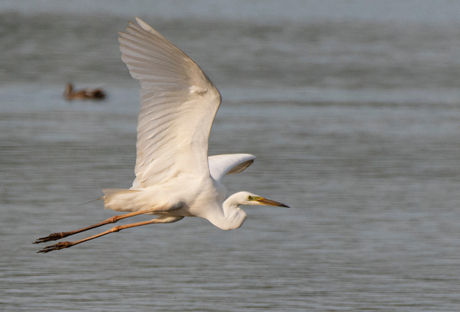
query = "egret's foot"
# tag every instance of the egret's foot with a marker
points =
(57, 246)
(51, 237)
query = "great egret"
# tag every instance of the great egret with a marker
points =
(174, 176)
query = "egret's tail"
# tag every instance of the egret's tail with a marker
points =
(118, 199)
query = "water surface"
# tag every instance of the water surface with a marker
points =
(356, 126)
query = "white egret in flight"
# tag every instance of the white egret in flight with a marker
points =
(175, 178)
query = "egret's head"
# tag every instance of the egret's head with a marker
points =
(235, 216)
(250, 199)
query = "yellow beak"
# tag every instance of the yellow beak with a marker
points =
(270, 202)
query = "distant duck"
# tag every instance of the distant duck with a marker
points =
(85, 94)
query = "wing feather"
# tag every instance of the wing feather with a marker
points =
(221, 165)
(178, 105)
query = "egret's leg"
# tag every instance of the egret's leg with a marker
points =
(56, 236)
(61, 245)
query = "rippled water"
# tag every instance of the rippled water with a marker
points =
(356, 125)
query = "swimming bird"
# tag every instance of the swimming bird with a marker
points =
(85, 94)
(175, 178)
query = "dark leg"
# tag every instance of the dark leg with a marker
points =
(56, 236)
(61, 245)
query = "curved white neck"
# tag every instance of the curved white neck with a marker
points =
(232, 217)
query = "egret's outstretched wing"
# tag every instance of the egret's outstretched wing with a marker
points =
(178, 105)
(220, 165)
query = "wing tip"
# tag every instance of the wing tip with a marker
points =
(146, 26)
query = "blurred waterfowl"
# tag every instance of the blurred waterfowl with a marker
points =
(84, 94)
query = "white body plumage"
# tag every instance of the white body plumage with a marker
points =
(205, 196)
